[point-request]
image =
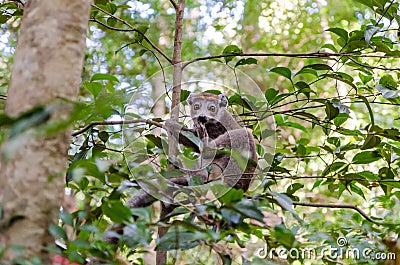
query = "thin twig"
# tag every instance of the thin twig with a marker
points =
(173, 4)
(384, 13)
(340, 206)
(295, 55)
(273, 176)
(372, 67)
(109, 27)
(96, 123)
(135, 30)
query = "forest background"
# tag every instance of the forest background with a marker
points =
(316, 81)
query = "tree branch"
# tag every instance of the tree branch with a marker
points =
(173, 3)
(274, 176)
(161, 256)
(109, 27)
(340, 206)
(293, 55)
(135, 30)
(372, 67)
(95, 123)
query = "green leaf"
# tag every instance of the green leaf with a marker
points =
(193, 138)
(231, 49)
(368, 175)
(111, 21)
(4, 18)
(330, 47)
(97, 151)
(365, 78)
(331, 111)
(371, 113)
(58, 232)
(304, 88)
(293, 188)
(231, 216)
(103, 135)
(93, 87)
(270, 94)
(284, 201)
(307, 115)
(340, 119)
(237, 99)
(342, 78)
(354, 188)
(246, 61)
(345, 76)
(284, 235)
(156, 140)
(67, 218)
(338, 166)
(306, 71)
(249, 209)
(112, 8)
(367, 3)
(74, 256)
(78, 156)
(279, 119)
(216, 60)
(386, 173)
(334, 140)
(213, 91)
(340, 32)
(139, 32)
(319, 66)
(178, 240)
(116, 211)
(283, 71)
(6, 120)
(100, 76)
(171, 173)
(366, 157)
(296, 125)
(226, 259)
(233, 195)
(184, 95)
(394, 184)
(142, 51)
(388, 82)
(370, 142)
(30, 119)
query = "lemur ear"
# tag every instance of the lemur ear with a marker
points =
(222, 100)
(190, 99)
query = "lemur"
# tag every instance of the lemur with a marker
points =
(218, 131)
(228, 150)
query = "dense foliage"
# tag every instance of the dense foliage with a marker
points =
(328, 75)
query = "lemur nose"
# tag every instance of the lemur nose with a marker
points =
(202, 119)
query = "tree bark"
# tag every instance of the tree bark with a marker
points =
(47, 66)
(161, 256)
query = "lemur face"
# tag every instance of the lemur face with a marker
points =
(206, 107)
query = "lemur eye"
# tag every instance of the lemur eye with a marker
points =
(211, 108)
(196, 107)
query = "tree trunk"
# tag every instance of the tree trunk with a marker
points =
(47, 66)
